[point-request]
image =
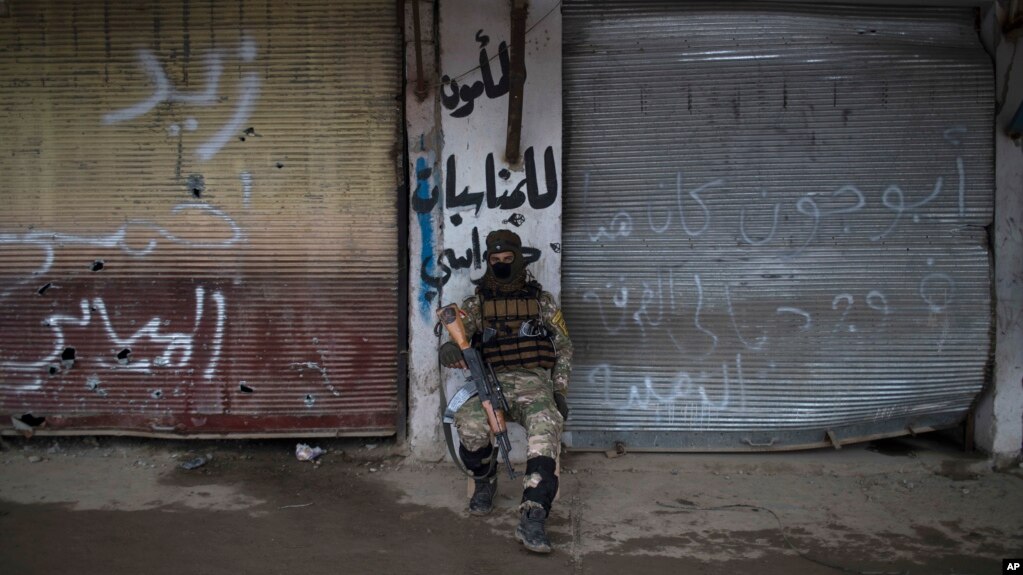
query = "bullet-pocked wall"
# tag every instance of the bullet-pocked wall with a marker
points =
(462, 186)
(199, 222)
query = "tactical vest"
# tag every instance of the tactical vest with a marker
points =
(508, 348)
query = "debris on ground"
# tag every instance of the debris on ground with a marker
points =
(194, 463)
(304, 452)
(618, 451)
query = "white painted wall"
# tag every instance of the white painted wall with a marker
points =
(424, 436)
(471, 139)
(450, 238)
(999, 414)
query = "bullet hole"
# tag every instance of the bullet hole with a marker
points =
(42, 290)
(309, 400)
(250, 131)
(245, 389)
(54, 370)
(67, 358)
(92, 383)
(504, 174)
(456, 219)
(196, 184)
(97, 265)
(241, 138)
(280, 165)
(157, 394)
(31, 420)
(124, 356)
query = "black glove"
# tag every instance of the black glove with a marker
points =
(562, 403)
(450, 355)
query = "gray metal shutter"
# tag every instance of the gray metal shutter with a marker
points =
(774, 222)
(231, 170)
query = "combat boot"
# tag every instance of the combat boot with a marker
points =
(531, 530)
(482, 500)
(483, 467)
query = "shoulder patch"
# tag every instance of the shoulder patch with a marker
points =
(558, 321)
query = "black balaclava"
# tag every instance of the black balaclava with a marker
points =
(504, 278)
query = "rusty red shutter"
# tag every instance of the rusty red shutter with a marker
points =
(199, 222)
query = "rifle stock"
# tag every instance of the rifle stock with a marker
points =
(487, 385)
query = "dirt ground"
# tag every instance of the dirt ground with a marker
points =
(125, 506)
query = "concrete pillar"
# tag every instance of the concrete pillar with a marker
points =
(425, 240)
(999, 413)
(462, 187)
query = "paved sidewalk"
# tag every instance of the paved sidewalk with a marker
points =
(124, 506)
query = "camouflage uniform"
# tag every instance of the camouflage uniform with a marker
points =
(528, 390)
(533, 372)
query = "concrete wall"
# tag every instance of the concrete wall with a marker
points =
(461, 185)
(424, 232)
(999, 413)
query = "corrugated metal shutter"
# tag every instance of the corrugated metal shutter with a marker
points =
(199, 206)
(774, 221)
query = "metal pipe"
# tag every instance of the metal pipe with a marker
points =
(517, 79)
(420, 84)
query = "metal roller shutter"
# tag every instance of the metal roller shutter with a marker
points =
(199, 222)
(774, 222)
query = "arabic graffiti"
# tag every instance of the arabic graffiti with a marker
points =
(437, 268)
(761, 219)
(773, 313)
(669, 311)
(48, 242)
(152, 347)
(177, 348)
(164, 92)
(683, 398)
(469, 193)
(421, 204)
(526, 191)
(461, 100)
(449, 260)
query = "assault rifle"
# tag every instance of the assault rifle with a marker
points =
(487, 386)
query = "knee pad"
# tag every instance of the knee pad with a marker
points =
(479, 462)
(541, 485)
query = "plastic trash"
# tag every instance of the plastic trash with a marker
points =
(194, 463)
(305, 453)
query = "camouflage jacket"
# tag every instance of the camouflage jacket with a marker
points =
(553, 320)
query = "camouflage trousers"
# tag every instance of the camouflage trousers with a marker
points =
(530, 396)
